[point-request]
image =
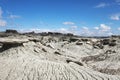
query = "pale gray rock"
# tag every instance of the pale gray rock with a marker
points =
(50, 58)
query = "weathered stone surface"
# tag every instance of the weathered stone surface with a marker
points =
(79, 43)
(11, 31)
(52, 58)
(106, 41)
(34, 40)
(9, 43)
(58, 53)
(12, 41)
(73, 39)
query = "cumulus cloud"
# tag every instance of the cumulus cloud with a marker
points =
(68, 23)
(101, 30)
(101, 5)
(104, 27)
(115, 16)
(85, 31)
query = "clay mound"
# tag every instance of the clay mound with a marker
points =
(8, 43)
(57, 58)
(26, 66)
(12, 41)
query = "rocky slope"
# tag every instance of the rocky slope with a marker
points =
(58, 57)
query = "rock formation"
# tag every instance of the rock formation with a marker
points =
(9, 43)
(50, 57)
(11, 31)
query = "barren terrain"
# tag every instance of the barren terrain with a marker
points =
(58, 57)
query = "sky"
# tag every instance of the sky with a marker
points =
(81, 17)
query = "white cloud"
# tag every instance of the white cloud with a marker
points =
(2, 23)
(86, 32)
(41, 30)
(109, 33)
(68, 23)
(115, 16)
(119, 28)
(74, 27)
(85, 28)
(14, 16)
(104, 27)
(38, 30)
(101, 30)
(96, 28)
(101, 5)
(64, 30)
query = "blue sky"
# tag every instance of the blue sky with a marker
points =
(82, 17)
